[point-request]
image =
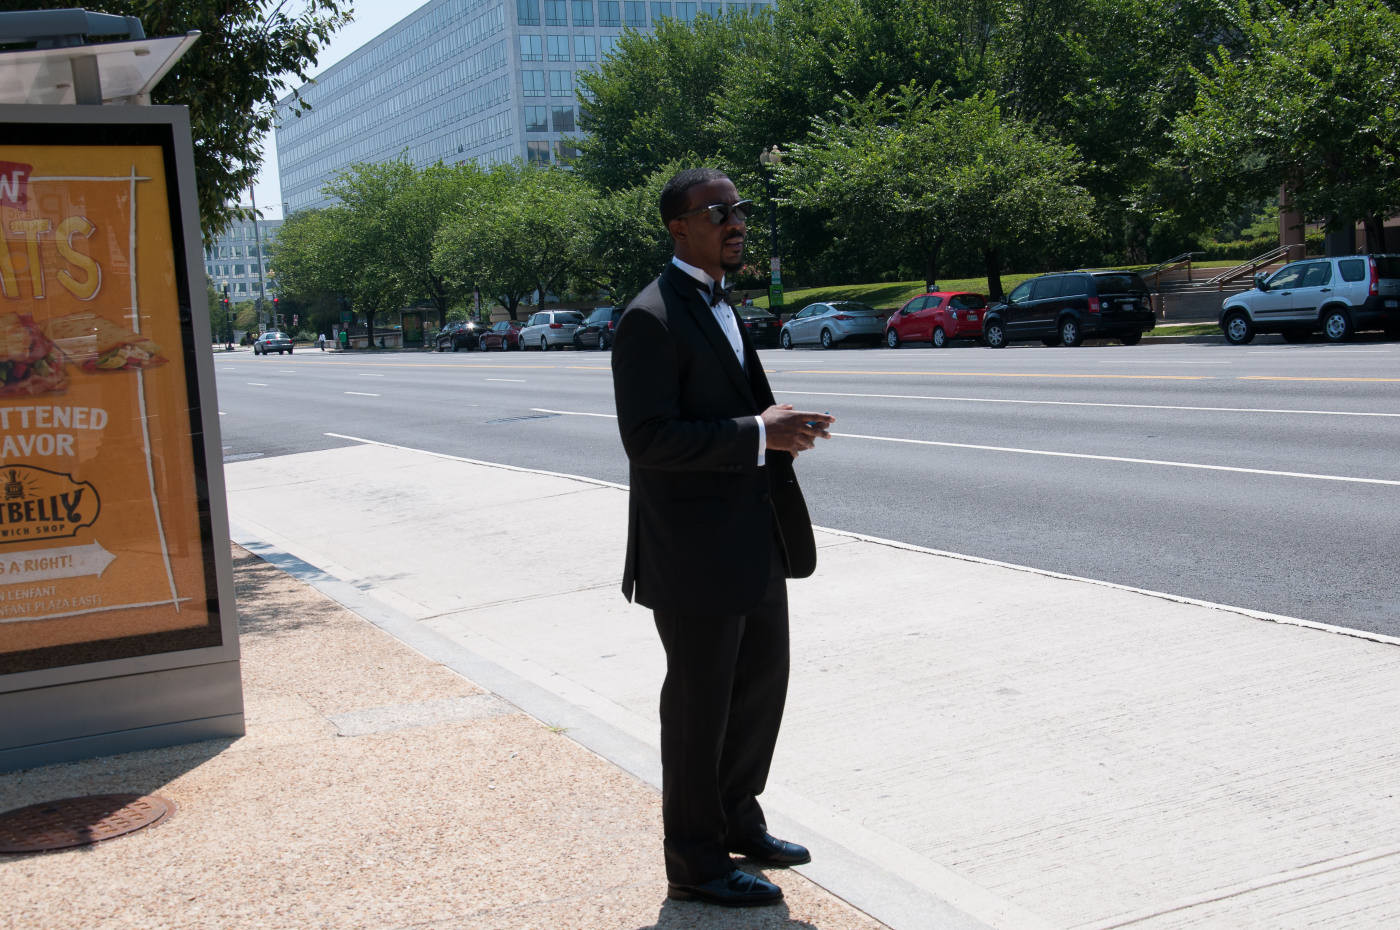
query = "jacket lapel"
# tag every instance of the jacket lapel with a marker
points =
(687, 289)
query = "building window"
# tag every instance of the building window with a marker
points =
(585, 48)
(558, 48)
(535, 119)
(565, 152)
(606, 44)
(533, 83)
(528, 12)
(660, 10)
(636, 13)
(556, 12)
(537, 153)
(561, 83)
(685, 11)
(531, 48)
(583, 12)
(563, 119)
(712, 8)
(609, 13)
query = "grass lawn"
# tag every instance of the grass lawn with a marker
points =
(891, 296)
(1186, 329)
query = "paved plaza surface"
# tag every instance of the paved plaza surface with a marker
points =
(376, 789)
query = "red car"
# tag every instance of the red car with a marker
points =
(936, 318)
(504, 335)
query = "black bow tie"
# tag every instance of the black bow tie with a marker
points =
(716, 293)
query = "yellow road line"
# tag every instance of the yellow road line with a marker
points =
(1345, 380)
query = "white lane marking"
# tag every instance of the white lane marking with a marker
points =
(222, 414)
(1175, 598)
(1080, 403)
(364, 375)
(1166, 463)
(574, 413)
(511, 380)
(1066, 455)
(361, 394)
(256, 384)
(286, 371)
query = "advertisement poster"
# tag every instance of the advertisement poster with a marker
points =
(104, 524)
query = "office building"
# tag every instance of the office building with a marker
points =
(486, 80)
(231, 261)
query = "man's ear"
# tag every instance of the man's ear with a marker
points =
(677, 230)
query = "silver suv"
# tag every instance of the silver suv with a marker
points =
(550, 329)
(1337, 295)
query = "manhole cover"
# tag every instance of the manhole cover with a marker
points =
(78, 821)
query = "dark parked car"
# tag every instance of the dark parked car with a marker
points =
(1066, 309)
(460, 334)
(273, 341)
(763, 326)
(503, 335)
(598, 329)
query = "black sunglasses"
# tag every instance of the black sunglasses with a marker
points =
(719, 212)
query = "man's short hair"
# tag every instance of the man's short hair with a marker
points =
(676, 193)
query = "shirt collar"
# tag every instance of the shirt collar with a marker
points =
(702, 277)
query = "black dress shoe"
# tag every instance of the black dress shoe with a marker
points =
(767, 849)
(737, 889)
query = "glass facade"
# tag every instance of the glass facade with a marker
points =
(456, 81)
(231, 261)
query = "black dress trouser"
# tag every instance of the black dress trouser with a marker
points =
(721, 707)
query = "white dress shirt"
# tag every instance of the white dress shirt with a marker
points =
(729, 325)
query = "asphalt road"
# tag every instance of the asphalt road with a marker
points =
(1264, 477)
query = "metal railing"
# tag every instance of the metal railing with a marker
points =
(1156, 271)
(1255, 263)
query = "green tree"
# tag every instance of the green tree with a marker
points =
(230, 79)
(523, 233)
(394, 213)
(921, 176)
(651, 102)
(1311, 102)
(626, 245)
(374, 248)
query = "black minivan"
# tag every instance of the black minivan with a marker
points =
(1066, 309)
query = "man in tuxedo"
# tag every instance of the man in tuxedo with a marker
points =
(715, 524)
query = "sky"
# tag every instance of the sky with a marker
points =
(371, 18)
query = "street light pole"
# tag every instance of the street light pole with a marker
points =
(257, 244)
(770, 159)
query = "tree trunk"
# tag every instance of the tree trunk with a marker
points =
(1375, 233)
(931, 266)
(369, 328)
(991, 259)
(512, 306)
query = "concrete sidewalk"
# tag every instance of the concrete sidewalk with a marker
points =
(967, 744)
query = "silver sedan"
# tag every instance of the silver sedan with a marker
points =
(827, 324)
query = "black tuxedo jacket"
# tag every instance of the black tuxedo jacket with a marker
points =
(701, 513)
